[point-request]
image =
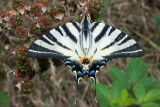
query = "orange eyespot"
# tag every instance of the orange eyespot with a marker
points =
(81, 60)
(89, 59)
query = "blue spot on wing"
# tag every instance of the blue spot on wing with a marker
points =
(103, 63)
(79, 74)
(92, 73)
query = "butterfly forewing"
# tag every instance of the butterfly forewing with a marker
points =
(60, 42)
(112, 43)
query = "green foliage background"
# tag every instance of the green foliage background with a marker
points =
(132, 87)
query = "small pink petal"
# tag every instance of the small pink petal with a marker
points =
(59, 16)
(38, 25)
(15, 72)
(39, 22)
(28, 7)
(7, 18)
(44, 8)
(88, 6)
(11, 23)
(27, 32)
(68, 1)
(27, 17)
(10, 20)
(19, 85)
(21, 9)
(40, 4)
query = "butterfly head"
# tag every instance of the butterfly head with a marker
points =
(86, 17)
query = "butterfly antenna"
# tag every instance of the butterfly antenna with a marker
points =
(77, 91)
(95, 89)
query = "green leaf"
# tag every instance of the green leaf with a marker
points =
(103, 102)
(129, 102)
(148, 83)
(124, 95)
(152, 95)
(117, 75)
(116, 89)
(102, 92)
(139, 92)
(4, 99)
(118, 101)
(136, 70)
(150, 104)
(114, 104)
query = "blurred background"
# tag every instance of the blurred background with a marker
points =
(140, 19)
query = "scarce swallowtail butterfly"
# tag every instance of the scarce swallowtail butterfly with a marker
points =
(85, 46)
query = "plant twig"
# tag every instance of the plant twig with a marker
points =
(147, 39)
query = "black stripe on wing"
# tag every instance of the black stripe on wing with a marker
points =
(76, 26)
(102, 34)
(52, 38)
(112, 30)
(125, 40)
(37, 51)
(131, 51)
(45, 40)
(119, 37)
(69, 34)
(59, 30)
(94, 26)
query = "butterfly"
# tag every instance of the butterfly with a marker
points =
(85, 46)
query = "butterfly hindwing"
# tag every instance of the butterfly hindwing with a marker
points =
(59, 43)
(112, 43)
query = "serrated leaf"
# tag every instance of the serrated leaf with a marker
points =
(116, 89)
(136, 70)
(150, 104)
(148, 83)
(129, 102)
(117, 75)
(139, 92)
(102, 92)
(4, 100)
(124, 95)
(152, 95)
(103, 102)
(114, 105)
